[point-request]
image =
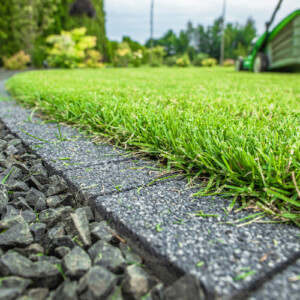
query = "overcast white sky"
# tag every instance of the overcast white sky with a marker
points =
(131, 17)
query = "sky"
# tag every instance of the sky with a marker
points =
(132, 17)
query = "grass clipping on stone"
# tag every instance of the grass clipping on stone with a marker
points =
(241, 131)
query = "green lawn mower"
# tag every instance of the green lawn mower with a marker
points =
(276, 50)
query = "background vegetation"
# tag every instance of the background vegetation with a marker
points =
(25, 24)
(207, 40)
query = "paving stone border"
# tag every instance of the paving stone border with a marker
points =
(213, 256)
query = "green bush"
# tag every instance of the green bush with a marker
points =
(18, 61)
(170, 61)
(146, 57)
(199, 59)
(156, 55)
(228, 63)
(39, 54)
(123, 55)
(95, 25)
(68, 50)
(209, 62)
(137, 58)
(183, 61)
(93, 59)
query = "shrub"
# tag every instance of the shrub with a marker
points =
(89, 15)
(228, 63)
(156, 56)
(170, 61)
(93, 59)
(123, 55)
(24, 24)
(18, 61)
(146, 57)
(209, 62)
(183, 61)
(68, 50)
(137, 58)
(199, 59)
(38, 54)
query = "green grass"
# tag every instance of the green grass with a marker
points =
(239, 132)
(7, 176)
(244, 275)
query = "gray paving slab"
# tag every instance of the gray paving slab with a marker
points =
(285, 285)
(63, 147)
(32, 129)
(162, 218)
(10, 111)
(73, 155)
(98, 169)
(113, 177)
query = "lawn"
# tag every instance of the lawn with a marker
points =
(240, 132)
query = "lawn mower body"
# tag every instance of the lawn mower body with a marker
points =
(277, 50)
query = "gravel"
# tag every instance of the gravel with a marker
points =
(48, 249)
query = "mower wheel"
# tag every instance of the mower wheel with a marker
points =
(239, 64)
(261, 63)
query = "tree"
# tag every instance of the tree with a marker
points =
(202, 39)
(134, 46)
(7, 45)
(207, 40)
(183, 42)
(24, 24)
(169, 41)
(81, 7)
(215, 36)
(238, 38)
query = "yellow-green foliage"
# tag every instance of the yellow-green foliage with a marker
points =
(228, 63)
(199, 59)
(170, 60)
(156, 56)
(137, 57)
(68, 50)
(183, 61)
(93, 59)
(123, 55)
(95, 26)
(18, 61)
(209, 62)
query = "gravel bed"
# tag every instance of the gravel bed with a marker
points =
(51, 248)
